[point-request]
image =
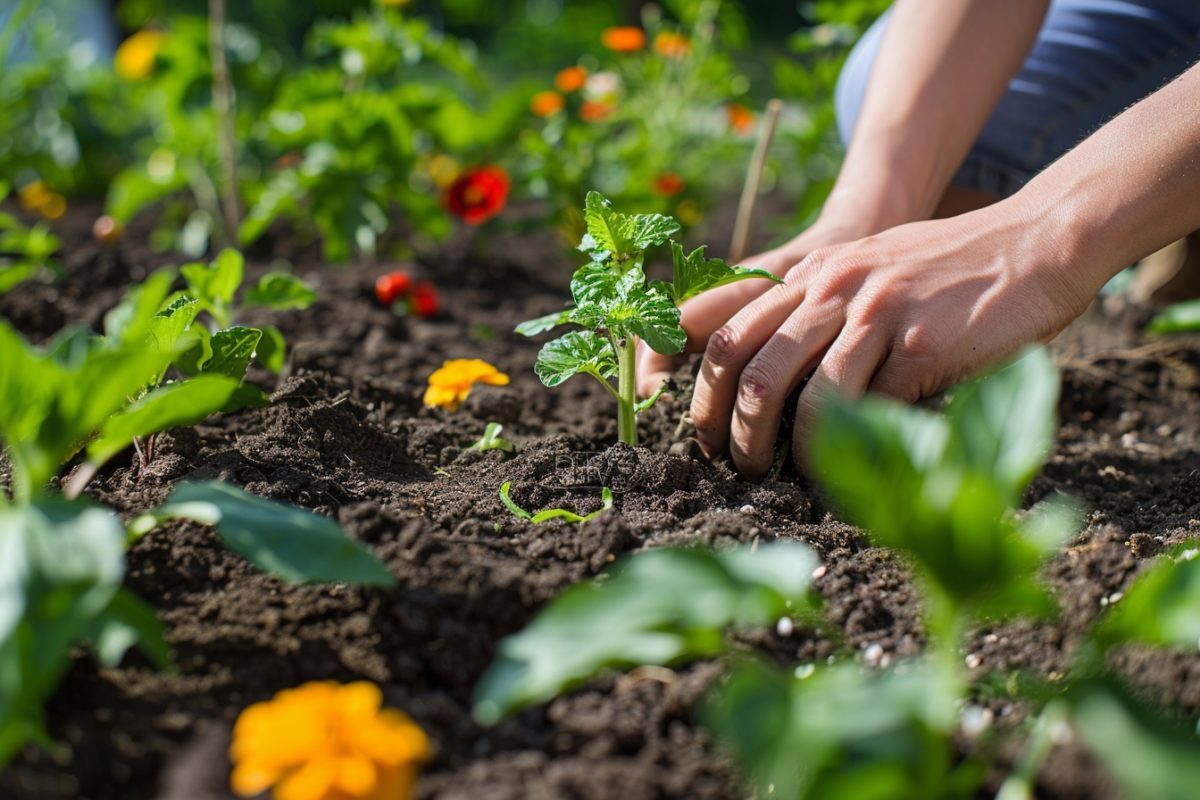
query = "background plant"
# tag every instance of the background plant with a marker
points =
(940, 489)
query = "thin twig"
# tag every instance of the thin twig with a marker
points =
(758, 161)
(222, 101)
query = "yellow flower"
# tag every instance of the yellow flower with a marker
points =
(327, 741)
(450, 384)
(135, 57)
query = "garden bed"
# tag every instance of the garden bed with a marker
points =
(347, 436)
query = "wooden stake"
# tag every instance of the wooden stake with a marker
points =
(758, 161)
(222, 101)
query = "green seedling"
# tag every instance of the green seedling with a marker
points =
(941, 489)
(492, 440)
(548, 514)
(1181, 317)
(615, 305)
(24, 251)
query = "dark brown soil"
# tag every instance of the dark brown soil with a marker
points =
(347, 436)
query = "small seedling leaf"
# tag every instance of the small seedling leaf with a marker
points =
(492, 440)
(272, 349)
(232, 349)
(573, 353)
(693, 274)
(549, 322)
(1179, 318)
(279, 291)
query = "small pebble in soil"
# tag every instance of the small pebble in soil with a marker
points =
(805, 671)
(1109, 600)
(785, 626)
(747, 509)
(974, 720)
(873, 655)
(973, 660)
(991, 638)
(819, 572)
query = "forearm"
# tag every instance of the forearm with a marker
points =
(1127, 190)
(942, 68)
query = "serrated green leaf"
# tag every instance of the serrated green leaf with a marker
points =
(533, 327)
(130, 321)
(651, 230)
(574, 353)
(605, 229)
(655, 320)
(659, 607)
(693, 274)
(622, 236)
(279, 290)
(232, 349)
(170, 406)
(291, 543)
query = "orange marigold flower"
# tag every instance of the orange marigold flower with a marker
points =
(672, 45)
(326, 741)
(134, 60)
(668, 184)
(623, 39)
(477, 194)
(741, 119)
(594, 110)
(570, 79)
(546, 104)
(450, 383)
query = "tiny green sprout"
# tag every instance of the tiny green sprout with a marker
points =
(615, 305)
(548, 514)
(492, 440)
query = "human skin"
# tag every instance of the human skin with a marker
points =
(873, 300)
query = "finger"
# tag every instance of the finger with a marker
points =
(846, 370)
(770, 377)
(729, 349)
(653, 369)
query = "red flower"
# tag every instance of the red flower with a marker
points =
(391, 287)
(478, 194)
(668, 184)
(424, 300)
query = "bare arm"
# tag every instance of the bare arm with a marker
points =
(942, 67)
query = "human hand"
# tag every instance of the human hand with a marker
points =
(905, 313)
(706, 313)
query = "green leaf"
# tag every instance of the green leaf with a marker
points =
(291, 543)
(232, 349)
(1004, 425)
(13, 274)
(1162, 607)
(1151, 759)
(279, 290)
(195, 356)
(546, 515)
(1178, 318)
(184, 403)
(841, 732)
(622, 236)
(549, 322)
(574, 353)
(61, 566)
(272, 349)
(693, 274)
(942, 491)
(659, 607)
(132, 319)
(168, 327)
(655, 320)
(125, 623)
(245, 396)
(511, 504)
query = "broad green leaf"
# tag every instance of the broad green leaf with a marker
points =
(1150, 758)
(595, 287)
(167, 327)
(225, 275)
(841, 732)
(927, 485)
(549, 322)
(279, 290)
(272, 349)
(1004, 424)
(624, 237)
(573, 353)
(13, 274)
(196, 355)
(61, 566)
(184, 403)
(693, 274)
(247, 395)
(125, 623)
(131, 320)
(291, 543)
(232, 349)
(1162, 607)
(655, 320)
(659, 607)
(1178, 318)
